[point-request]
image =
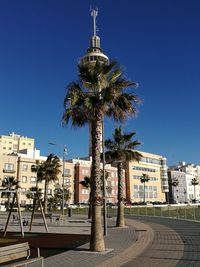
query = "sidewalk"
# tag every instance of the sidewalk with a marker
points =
(146, 242)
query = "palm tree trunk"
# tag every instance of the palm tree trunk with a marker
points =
(120, 211)
(96, 238)
(144, 192)
(46, 196)
(90, 207)
(194, 193)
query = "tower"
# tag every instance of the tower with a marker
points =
(94, 53)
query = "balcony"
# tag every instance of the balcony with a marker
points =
(8, 171)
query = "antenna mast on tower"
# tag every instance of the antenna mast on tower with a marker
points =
(94, 14)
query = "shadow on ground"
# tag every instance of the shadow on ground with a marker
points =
(49, 243)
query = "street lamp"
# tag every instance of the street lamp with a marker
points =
(63, 172)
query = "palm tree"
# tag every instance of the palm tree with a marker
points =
(194, 182)
(99, 92)
(174, 183)
(37, 168)
(144, 179)
(121, 150)
(58, 194)
(9, 183)
(87, 184)
(33, 193)
(48, 171)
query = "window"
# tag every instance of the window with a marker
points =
(67, 181)
(15, 147)
(143, 169)
(24, 179)
(33, 179)
(150, 192)
(25, 167)
(84, 191)
(9, 167)
(23, 191)
(66, 172)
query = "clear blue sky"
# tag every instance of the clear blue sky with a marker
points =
(157, 41)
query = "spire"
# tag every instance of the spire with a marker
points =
(94, 14)
(95, 40)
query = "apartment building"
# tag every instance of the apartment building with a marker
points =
(14, 143)
(157, 188)
(82, 168)
(19, 167)
(190, 171)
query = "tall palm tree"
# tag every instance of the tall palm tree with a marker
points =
(174, 183)
(194, 182)
(144, 179)
(48, 171)
(100, 91)
(9, 183)
(121, 150)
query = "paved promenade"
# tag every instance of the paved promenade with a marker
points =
(146, 242)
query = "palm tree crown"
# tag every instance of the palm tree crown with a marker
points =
(48, 171)
(121, 148)
(100, 91)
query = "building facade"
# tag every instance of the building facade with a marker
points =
(19, 167)
(190, 171)
(82, 168)
(14, 143)
(156, 190)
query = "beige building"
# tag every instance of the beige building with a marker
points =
(19, 167)
(157, 188)
(14, 143)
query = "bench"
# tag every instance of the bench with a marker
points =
(18, 252)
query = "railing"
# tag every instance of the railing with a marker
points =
(190, 212)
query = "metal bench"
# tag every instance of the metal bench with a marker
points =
(11, 253)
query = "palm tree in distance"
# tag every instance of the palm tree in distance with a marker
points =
(48, 171)
(174, 183)
(86, 182)
(100, 91)
(121, 150)
(194, 182)
(144, 179)
(9, 184)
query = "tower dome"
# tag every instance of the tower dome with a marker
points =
(94, 52)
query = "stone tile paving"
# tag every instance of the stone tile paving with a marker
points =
(175, 243)
(118, 239)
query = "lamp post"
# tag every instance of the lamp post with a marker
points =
(63, 172)
(104, 184)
